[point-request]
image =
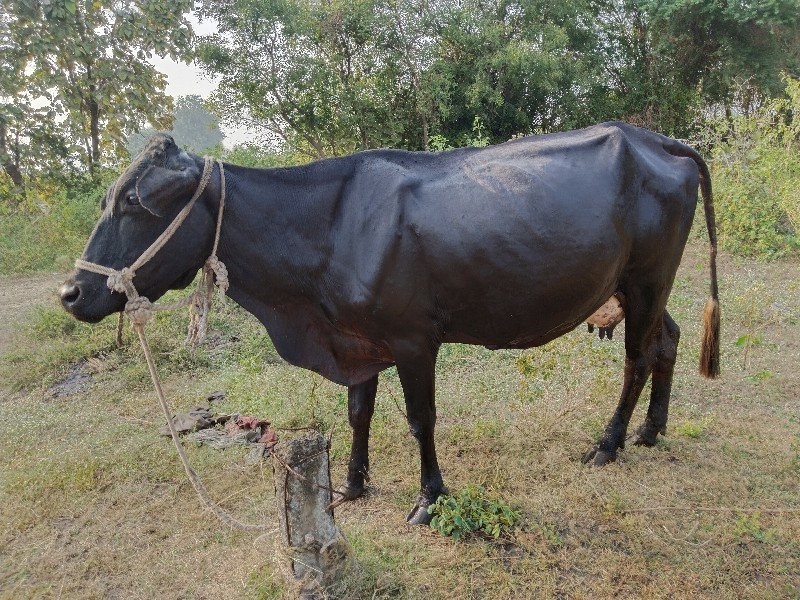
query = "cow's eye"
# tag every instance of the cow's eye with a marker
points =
(132, 199)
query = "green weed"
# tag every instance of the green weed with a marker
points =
(615, 504)
(749, 526)
(695, 430)
(473, 510)
(760, 376)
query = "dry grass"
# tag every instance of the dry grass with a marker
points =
(95, 505)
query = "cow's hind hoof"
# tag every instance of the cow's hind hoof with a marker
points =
(344, 494)
(599, 457)
(645, 437)
(419, 515)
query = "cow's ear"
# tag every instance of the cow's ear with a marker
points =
(158, 188)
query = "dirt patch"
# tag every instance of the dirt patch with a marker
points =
(19, 296)
(76, 382)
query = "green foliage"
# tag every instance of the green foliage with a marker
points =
(471, 511)
(252, 155)
(476, 138)
(759, 376)
(756, 173)
(692, 429)
(329, 78)
(49, 230)
(750, 526)
(86, 66)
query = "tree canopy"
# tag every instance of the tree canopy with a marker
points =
(332, 76)
(76, 77)
(327, 77)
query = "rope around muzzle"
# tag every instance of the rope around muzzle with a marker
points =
(140, 311)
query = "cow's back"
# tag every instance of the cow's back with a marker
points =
(512, 245)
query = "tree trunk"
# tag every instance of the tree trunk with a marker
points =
(11, 165)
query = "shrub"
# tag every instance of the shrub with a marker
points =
(472, 510)
(48, 231)
(756, 172)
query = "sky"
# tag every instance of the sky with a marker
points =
(183, 79)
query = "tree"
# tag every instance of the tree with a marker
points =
(194, 127)
(520, 67)
(341, 75)
(26, 130)
(332, 76)
(86, 63)
(316, 75)
(669, 60)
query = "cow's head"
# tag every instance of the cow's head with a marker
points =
(136, 210)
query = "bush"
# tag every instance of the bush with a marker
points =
(471, 511)
(756, 173)
(49, 229)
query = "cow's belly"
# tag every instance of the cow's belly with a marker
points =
(533, 327)
(516, 303)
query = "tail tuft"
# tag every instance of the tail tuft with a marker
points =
(709, 352)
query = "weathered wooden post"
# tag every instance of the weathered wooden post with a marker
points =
(312, 552)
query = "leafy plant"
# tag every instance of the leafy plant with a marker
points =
(760, 376)
(750, 526)
(756, 174)
(472, 510)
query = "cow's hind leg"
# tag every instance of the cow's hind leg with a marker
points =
(656, 420)
(643, 322)
(415, 367)
(360, 406)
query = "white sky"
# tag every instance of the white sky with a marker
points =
(185, 79)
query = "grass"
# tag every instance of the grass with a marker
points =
(95, 503)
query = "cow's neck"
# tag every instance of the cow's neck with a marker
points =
(277, 230)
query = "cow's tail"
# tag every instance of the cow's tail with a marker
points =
(709, 350)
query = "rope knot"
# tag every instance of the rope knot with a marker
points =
(139, 310)
(216, 266)
(121, 281)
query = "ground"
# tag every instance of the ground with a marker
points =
(95, 503)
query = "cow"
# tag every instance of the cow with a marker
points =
(372, 260)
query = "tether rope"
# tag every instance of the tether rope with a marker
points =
(140, 311)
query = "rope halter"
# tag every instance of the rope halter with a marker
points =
(140, 311)
(139, 308)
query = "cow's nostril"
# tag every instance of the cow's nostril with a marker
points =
(69, 294)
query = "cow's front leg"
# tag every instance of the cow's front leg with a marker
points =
(360, 406)
(415, 366)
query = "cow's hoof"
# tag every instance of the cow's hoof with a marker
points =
(419, 514)
(645, 437)
(599, 457)
(345, 493)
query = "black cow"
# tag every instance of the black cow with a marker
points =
(359, 263)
